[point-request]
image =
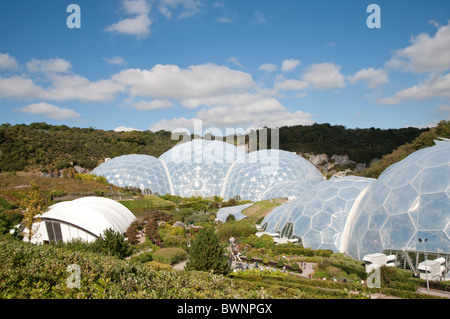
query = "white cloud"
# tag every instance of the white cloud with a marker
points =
(188, 7)
(235, 61)
(425, 54)
(224, 20)
(51, 65)
(373, 77)
(291, 85)
(434, 23)
(75, 87)
(20, 87)
(62, 88)
(180, 124)
(144, 105)
(136, 7)
(49, 110)
(139, 25)
(240, 111)
(324, 76)
(7, 62)
(172, 82)
(289, 65)
(116, 60)
(258, 17)
(268, 67)
(436, 86)
(125, 129)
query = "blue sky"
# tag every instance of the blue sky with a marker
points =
(163, 64)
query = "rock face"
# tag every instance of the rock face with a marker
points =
(338, 165)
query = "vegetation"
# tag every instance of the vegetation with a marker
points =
(426, 139)
(206, 253)
(45, 147)
(112, 267)
(361, 145)
(170, 255)
(40, 146)
(34, 206)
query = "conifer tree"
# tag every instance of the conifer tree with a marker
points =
(206, 253)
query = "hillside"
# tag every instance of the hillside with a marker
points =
(40, 146)
(426, 139)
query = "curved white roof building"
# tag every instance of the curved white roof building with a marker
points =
(84, 218)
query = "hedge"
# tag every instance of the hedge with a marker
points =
(170, 255)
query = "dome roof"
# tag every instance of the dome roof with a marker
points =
(141, 171)
(208, 167)
(199, 167)
(271, 220)
(93, 214)
(253, 176)
(319, 214)
(409, 200)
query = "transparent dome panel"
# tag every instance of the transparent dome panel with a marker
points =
(253, 177)
(409, 198)
(141, 171)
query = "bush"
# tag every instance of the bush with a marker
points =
(207, 254)
(171, 255)
(235, 229)
(143, 258)
(8, 219)
(112, 243)
(280, 263)
(132, 232)
(295, 266)
(158, 265)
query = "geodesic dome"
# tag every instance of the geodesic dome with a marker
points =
(208, 168)
(409, 200)
(141, 171)
(271, 220)
(199, 167)
(251, 177)
(291, 190)
(318, 216)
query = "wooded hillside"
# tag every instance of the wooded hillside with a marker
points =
(40, 146)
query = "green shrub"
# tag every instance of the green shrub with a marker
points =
(207, 254)
(143, 258)
(171, 255)
(8, 219)
(112, 243)
(235, 229)
(280, 263)
(295, 266)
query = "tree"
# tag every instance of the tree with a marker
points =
(112, 243)
(34, 206)
(132, 233)
(206, 253)
(151, 230)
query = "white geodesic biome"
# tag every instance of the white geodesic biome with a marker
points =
(318, 216)
(210, 168)
(409, 200)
